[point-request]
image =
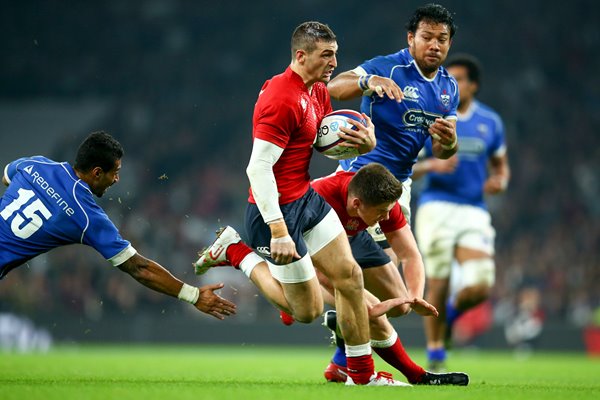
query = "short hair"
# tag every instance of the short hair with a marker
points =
(99, 149)
(307, 34)
(470, 63)
(374, 184)
(432, 13)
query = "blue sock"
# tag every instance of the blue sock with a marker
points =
(451, 312)
(436, 354)
(339, 357)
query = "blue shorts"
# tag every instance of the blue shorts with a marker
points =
(300, 216)
(366, 251)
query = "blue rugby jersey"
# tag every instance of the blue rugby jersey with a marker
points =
(46, 206)
(480, 136)
(401, 128)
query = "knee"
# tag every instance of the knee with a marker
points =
(348, 279)
(308, 315)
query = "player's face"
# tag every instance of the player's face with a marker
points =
(319, 64)
(467, 88)
(429, 46)
(373, 214)
(105, 179)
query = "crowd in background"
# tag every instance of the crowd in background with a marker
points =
(182, 77)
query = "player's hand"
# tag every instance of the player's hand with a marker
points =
(443, 131)
(362, 138)
(423, 308)
(385, 87)
(212, 304)
(283, 250)
(377, 310)
(282, 246)
(444, 142)
(495, 184)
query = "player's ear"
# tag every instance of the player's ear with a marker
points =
(300, 56)
(97, 172)
(410, 38)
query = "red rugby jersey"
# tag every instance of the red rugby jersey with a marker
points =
(334, 189)
(287, 115)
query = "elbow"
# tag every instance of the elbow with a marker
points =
(136, 267)
(251, 172)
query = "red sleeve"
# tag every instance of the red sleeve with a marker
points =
(275, 117)
(396, 220)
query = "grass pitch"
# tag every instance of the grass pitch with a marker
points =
(281, 373)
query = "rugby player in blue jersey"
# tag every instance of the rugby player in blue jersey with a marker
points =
(409, 96)
(453, 225)
(49, 204)
(412, 101)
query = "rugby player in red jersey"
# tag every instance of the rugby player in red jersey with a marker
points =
(287, 222)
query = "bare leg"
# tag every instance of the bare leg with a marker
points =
(335, 261)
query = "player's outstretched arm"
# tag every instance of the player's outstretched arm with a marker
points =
(350, 85)
(152, 275)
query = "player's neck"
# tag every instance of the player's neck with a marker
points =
(464, 106)
(305, 78)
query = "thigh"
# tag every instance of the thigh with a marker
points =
(385, 282)
(335, 260)
(436, 235)
(477, 233)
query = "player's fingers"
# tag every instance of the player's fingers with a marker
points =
(216, 286)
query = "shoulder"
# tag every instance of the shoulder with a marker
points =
(329, 183)
(446, 79)
(487, 112)
(401, 58)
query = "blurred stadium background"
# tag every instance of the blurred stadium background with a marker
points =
(175, 81)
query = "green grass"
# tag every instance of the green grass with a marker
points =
(280, 373)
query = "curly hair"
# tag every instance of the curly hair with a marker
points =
(433, 13)
(99, 149)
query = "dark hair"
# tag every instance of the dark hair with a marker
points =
(99, 149)
(374, 184)
(470, 63)
(433, 13)
(307, 34)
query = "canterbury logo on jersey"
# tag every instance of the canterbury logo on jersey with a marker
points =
(411, 93)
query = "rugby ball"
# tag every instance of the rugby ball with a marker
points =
(328, 142)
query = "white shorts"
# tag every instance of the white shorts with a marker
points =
(316, 238)
(442, 226)
(404, 201)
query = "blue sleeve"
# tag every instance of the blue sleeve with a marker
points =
(101, 233)
(455, 99)
(11, 169)
(376, 66)
(498, 140)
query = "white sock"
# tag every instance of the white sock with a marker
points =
(358, 350)
(249, 262)
(384, 344)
